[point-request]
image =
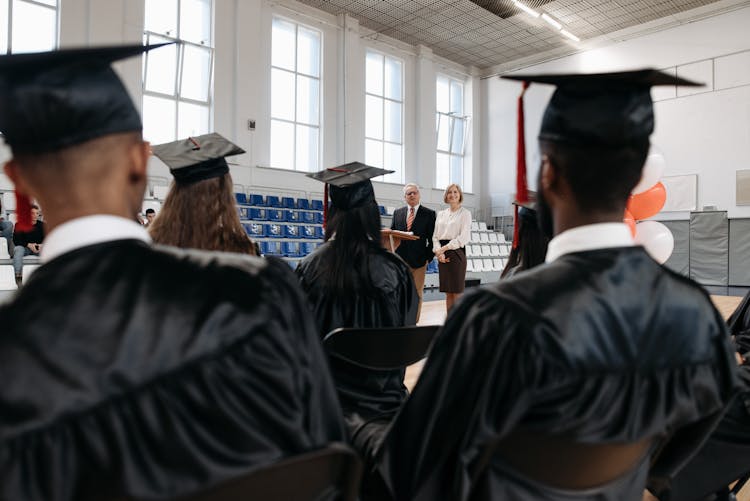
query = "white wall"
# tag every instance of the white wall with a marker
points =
(707, 133)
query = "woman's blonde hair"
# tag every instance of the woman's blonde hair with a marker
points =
(460, 193)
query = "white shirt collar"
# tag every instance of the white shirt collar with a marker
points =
(416, 208)
(589, 237)
(90, 230)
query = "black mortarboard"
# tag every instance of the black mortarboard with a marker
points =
(197, 158)
(350, 185)
(51, 100)
(607, 109)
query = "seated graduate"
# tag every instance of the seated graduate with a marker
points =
(725, 456)
(352, 281)
(131, 370)
(529, 243)
(559, 383)
(200, 211)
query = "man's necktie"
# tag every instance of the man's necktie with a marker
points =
(410, 219)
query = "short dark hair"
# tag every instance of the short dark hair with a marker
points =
(150, 211)
(601, 178)
(35, 206)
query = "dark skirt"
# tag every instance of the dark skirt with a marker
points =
(453, 273)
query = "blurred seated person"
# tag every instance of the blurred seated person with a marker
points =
(352, 281)
(200, 211)
(562, 383)
(6, 229)
(725, 456)
(27, 243)
(150, 215)
(530, 245)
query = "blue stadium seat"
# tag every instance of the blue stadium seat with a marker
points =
(319, 217)
(292, 215)
(303, 203)
(287, 202)
(257, 214)
(308, 216)
(255, 229)
(307, 247)
(292, 264)
(242, 212)
(241, 198)
(276, 214)
(432, 267)
(291, 231)
(270, 248)
(316, 205)
(319, 233)
(274, 231)
(382, 210)
(256, 200)
(290, 249)
(273, 201)
(307, 232)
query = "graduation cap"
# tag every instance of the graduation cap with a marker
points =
(349, 185)
(52, 100)
(197, 158)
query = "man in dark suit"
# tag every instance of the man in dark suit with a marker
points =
(421, 221)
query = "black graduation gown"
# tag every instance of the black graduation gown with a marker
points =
(136, 371)
(393, 305)
(601, 346)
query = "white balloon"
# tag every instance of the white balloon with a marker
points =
(656, 238)
(652, 172)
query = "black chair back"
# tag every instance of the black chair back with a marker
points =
(380, 348)
(330, 474)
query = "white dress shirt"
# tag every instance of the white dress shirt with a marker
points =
(589, 237)
(90, 230)
(452, 226)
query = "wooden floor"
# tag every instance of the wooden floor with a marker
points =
(433, 313)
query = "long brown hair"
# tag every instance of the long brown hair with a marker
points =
(202, 215)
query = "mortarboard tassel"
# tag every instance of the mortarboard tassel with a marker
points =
(522, 190)
(23, 213)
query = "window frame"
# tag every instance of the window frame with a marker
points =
(56, 8)
(401, 172)
(181, 44)
(296, 73)
(452, 118)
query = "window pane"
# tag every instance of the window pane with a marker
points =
(307, 148)
(34, 28)
(159, 117)
(282, 145)
(393, 121)
(373, 153)
(192, 120)
(457, 140)
(457, 170)
(161, 17)
(374, 74)
(308, 52)
(442, 101)
(282, 44)
(393, 79)
(196, 73)
(282, 94)
(373, 117)
(443, 132)
(195, 21)
(308, 100)
(457, 98)
(4, 26)
(441, 174)
(161, 68)
(392, 161)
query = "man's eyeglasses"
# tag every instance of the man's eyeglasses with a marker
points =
(410, 193)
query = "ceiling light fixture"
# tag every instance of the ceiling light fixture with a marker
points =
(526, 8)
(552, 21)
(570, 35)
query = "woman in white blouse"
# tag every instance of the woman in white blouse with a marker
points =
(452, 233)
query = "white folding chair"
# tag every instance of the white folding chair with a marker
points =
(482, 226)
(504, 251)
(487, 264)
(469, 251)
(7, 278)
(474, 226)
(476, 250)
(492, 237)
(475, 237)
(4, 248)
(483, 238)
(494, 250)
(500, 237)
(497, 264)
(469, 265)
(28, 269)
(486, 251)
(9, 201)
(478, 265)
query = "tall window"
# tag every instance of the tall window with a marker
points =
(28, 25)
(451, 134)
(177, 78)
(295, 96)
(384, 115)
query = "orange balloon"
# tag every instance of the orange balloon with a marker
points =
(649, 203)
(630, 221)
